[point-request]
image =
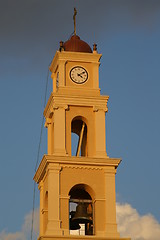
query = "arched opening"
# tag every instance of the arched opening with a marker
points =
(81, 211)
(78, 137)
(75, 140)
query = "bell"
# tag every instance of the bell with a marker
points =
(72, 224)
(81, 215)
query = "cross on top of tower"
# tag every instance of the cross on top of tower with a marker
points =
(75, 44)
(74, 18)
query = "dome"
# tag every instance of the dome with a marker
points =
(75, 44)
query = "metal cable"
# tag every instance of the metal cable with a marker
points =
(39, 147)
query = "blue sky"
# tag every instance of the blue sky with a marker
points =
(127, 34)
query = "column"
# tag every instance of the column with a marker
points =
(96, 75)
(53, 226)
(64, 213)
(110, 205)
(60, 130)
(53, 76)
(100, 132)
(41, 222)
(49, 126)
(61, 70)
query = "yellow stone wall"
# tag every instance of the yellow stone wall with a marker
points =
(59, 171)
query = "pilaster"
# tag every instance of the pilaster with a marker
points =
(110, 221)
(96, 75)
(60, 130)
(64, 213)
(61, 70)
(40, 187)
(100, 137)
(53, 226)
(49, 126)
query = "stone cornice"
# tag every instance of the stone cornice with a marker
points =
(75, 162)
(60, 100)
(73, 56)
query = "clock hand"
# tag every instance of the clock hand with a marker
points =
(79, 75)
(82, 72)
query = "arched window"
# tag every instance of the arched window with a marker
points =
(79, 137)
(81, 211)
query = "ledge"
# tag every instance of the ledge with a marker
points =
(74, 237)
(75, 162)
(57, 100)
(74, 56)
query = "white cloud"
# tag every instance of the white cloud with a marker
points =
(12, 236)
(131, 224)
(25, 232)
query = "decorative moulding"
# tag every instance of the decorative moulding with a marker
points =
(105, 163)
(57, 100)
(73, 56)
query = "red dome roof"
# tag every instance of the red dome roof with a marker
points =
(75, 44)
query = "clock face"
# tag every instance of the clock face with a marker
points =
(78, 74)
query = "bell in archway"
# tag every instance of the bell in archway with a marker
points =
(73, 225)
(81, 215)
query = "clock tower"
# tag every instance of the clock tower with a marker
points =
(77, 188)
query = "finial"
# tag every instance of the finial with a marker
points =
(61, 47)
(74, 18)
(94, 47)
